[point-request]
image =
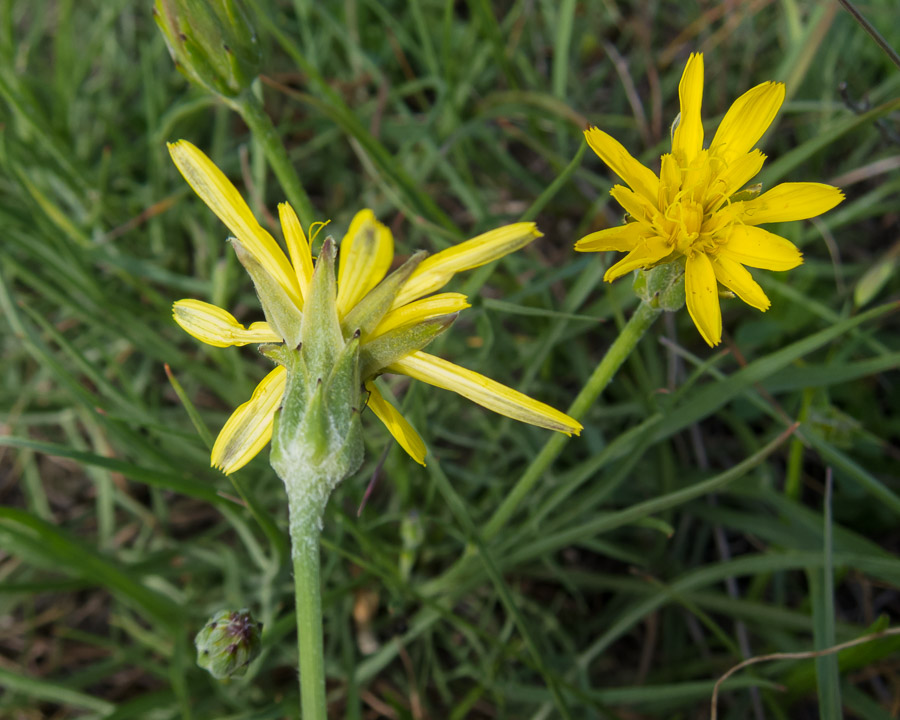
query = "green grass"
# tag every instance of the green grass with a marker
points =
(682, 531)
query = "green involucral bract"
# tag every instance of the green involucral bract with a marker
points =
(661, 287)
(280, 312)
(317, 436)
(369, 311)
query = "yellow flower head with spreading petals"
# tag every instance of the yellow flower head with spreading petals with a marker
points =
(412, 315)
(691, 210)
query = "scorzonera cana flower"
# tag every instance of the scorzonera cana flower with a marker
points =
(694, 211)
(394, 315)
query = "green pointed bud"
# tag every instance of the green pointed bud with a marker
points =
(279, 309)
(400, 342)
(662, 287)
(228, 643)
(213, 43)
(369, 311)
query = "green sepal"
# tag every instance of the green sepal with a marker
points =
(275, 352)
(297, 388)
(342, 392)
(369, 311)
(321, 331)
(662, 287)
(400, 342)
(315, 430)
(279, 309)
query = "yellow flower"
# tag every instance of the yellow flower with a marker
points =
(691, 210)
(366, 254)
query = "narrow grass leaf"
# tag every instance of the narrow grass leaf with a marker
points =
(58, 549)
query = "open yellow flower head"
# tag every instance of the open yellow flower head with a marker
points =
(393, 315)
(692, 211)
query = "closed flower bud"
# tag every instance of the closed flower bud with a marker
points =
(228, 643)
(212, 42)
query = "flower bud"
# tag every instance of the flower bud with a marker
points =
(228, 643)
(212, 42)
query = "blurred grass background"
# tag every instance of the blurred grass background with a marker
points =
(619, 590)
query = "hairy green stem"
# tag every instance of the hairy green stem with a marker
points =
(251, 110)
(306, 510)
(618, 352)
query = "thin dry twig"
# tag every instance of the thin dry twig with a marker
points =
(869, 28)
(809, 654)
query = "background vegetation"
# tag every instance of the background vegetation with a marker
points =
(622, 588)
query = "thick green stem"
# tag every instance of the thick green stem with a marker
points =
(260, 124)
(306, 511)
(632, 332)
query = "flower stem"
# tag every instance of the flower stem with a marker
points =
(306, 527)
(618, 352)
(249, 107)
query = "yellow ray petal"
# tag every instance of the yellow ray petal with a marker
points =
(759, 248)
(226, 202)
(396, 424)
(791, 201)
(621, 238)
(218, 327)
(420, 311)
(669, 179)
(250, 426)
(687, 140)
(435, 271)
(647, 252)
(746, 120)
(298, 247)
(701, 294)
(484, 391)
(635, 205)
(733, 177)
(366, 253)
(639, 178)
(735, 277)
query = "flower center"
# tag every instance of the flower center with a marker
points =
(684, 219)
